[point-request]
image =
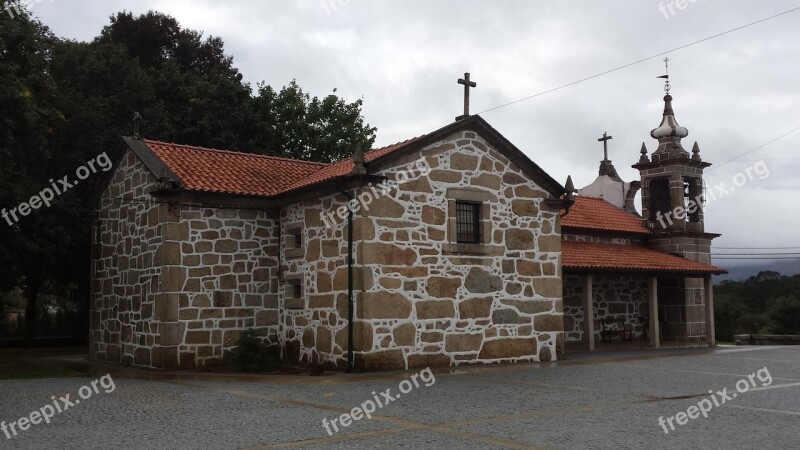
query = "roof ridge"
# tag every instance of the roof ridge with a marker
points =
(234, 152)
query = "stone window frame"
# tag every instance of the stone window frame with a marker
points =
(294, 234)
(473, 195)
(294, 292)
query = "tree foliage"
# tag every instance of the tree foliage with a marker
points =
(63, 103)
(768, 299)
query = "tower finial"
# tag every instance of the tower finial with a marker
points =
(137, 118)
(358, 161)
(667, 86)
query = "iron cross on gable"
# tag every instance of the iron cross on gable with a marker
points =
(605, 140)
(467, 84)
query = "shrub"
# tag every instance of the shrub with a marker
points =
(252, 355)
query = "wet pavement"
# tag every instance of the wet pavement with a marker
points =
(600, 400)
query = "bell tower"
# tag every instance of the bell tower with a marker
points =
(673, 191)
(673, 200)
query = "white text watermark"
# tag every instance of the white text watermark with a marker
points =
(61, 404)
(717, 399)
(368, 407)
(48, 194)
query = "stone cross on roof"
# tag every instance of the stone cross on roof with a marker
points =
(605, 140)
(467, 84)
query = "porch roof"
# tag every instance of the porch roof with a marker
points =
(587, 256)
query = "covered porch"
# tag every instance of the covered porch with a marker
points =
(634, 296)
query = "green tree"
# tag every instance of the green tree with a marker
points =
(784, 315)
(64, 102)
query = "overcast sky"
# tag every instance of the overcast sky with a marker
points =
(734, 93)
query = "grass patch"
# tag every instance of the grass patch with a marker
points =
(19, 364)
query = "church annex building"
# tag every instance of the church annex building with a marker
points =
(455, 249)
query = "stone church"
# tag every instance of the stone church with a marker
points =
(447, 249)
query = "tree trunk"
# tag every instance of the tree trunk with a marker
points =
(31, 294)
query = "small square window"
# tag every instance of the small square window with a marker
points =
(468, 222)
(295, 238)
(293, 241)
(294, 293)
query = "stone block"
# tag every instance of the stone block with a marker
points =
(463, 342)
(445, 176)
(166, 307)
(475, 308)
(170, 334)
(433, 216)
(384, 206)
(173, 279)
(423, 361)
(404, 334)
(524, 208)
(530, 306)
(441, 287)
(387, 254)
(504, 348)
(198, 337)
(487, 180)
(435, 309)
(547, 287)
(479, 281)
(548, 323)
(508, 317)
(519, 239)
(551, 243)
(383, 305)
(165, 357)
(379, 361)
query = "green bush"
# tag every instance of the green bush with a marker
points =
(784, 315)
(252, 355)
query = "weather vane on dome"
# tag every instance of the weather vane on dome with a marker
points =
(667, 86)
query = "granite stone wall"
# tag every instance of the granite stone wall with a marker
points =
(615, 296)
(127, 269)
(174, 285)
(423, 299)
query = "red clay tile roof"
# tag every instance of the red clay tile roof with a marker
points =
(598, 214)
(212, 170)
(596, 256)
(345, 166)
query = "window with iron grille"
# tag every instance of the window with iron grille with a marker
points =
(468, 222)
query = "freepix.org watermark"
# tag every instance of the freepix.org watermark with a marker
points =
(410, 172)
(48, 194)
(671, 5)
(758, 170)
(368, 407)
(715, 400)
(61, 404)
(14, 8)
(332, 6)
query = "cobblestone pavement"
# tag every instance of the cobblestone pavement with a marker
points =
(601, 400)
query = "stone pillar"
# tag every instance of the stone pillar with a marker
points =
(711, 337)
(588, 312)
(655, 332)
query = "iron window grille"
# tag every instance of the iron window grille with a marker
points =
(468, 222)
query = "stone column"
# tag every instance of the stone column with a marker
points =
(588, 312)
(708, 290)
(655, 332)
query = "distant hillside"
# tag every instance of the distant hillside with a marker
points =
(742, 272)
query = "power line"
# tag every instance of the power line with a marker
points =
(759, 257)
(756, 248)
(753, 254)
(717, 166)
(624, 66)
